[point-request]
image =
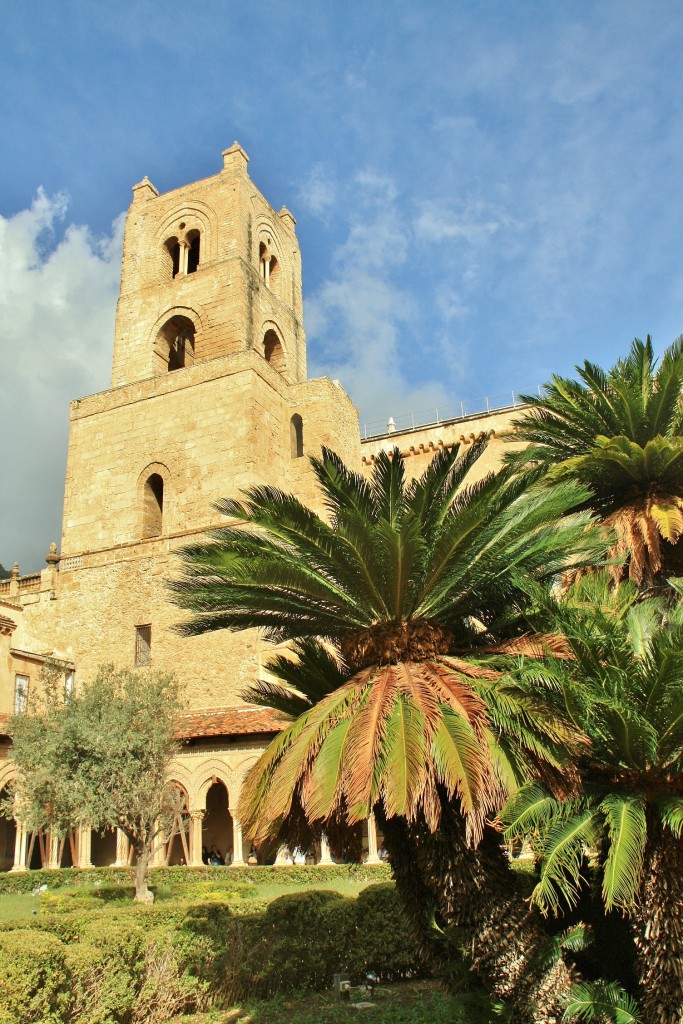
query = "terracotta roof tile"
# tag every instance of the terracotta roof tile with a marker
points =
(237, 721)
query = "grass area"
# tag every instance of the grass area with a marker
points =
(17, 906)
(420, 1002)
(20, 906)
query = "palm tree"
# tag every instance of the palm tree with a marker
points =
(401, 583)
(619, 433)
(623, 687)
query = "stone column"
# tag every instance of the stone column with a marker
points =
(84, 840)
(52, 844)
(159, 857)
(325, 855)
(20, 849)
(197, 818)
(122, 849)
(182, 257)
(237, 852)
(372, 857)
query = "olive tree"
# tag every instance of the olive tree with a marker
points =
(99, 757)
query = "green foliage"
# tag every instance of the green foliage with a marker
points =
(35, 980)
(98, 756)
(623, 687)
(601, 1002)
(377, 942)
(390, 552)
(183, 879)
(619, 433)
(92, 958)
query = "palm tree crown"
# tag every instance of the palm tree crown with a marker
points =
(403, 580)
(622, 687)
(619, 433)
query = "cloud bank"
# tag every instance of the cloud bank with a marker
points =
(57, 306)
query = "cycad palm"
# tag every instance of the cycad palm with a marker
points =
(623, 687)
(619, 433)
(404, 581)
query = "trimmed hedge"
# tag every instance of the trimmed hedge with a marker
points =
(27, 881)
(112, 962)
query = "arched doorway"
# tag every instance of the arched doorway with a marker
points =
(8, 835)
(217, 827)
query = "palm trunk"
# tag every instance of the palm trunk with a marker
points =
(479, 902)
(657, 922)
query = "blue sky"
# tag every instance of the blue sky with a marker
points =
(486, 193)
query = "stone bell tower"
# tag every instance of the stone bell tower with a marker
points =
(208, 270)
(209, 396)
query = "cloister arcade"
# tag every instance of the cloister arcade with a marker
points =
(205, 818)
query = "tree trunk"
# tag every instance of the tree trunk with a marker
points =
(481, 910)
(142, 858)
(658, 928)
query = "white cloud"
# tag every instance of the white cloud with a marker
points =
(57, 306)
(474, 222)
(318, 191)
(356, 319)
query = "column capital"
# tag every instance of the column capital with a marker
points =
(198, 815)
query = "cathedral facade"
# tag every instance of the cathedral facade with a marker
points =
(209, 396)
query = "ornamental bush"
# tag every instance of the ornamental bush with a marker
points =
(35, 980)
(96, 959)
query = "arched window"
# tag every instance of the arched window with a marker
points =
(153, 506)
(273, 351)
(173, 250)
(268, 265)
(174, 348)
(183, 251)
(296, 436)
(193, 241)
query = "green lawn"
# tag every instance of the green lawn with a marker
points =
(17, 906)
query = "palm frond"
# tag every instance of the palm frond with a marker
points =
(627, 836)
(564, 843)
(671, 810)
(601, 1002)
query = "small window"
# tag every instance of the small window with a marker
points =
(143, 646)
(193, 251)
(296, 436)
(153, 506)
(20, 694)
(69, 680)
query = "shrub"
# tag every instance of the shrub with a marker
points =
(35, 981)
(379, 940)
(99, 959)
(106, 966)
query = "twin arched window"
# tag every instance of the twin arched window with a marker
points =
(269, 267)
(184, 251)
